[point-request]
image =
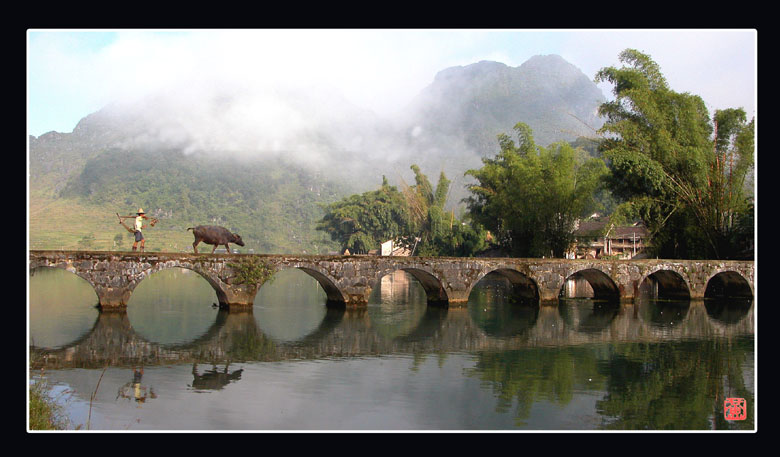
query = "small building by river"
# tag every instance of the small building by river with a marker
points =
(597, 238)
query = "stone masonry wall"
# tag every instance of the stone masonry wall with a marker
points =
(348, 280)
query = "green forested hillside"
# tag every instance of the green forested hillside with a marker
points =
(273, 205)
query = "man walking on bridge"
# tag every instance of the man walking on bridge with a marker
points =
(137, 226)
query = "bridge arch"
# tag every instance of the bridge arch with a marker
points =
(63, 267)
(209, 275)
(435, 293)
(329, 284)
(348, 279)
(665, 284)
(523, 286)
(728, 284)
(62, 300)
(600, 285)
(39, 266)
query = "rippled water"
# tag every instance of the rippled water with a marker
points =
(174, 361)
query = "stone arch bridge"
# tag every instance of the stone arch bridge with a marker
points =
(448, 281)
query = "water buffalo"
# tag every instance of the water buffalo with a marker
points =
(213, 234)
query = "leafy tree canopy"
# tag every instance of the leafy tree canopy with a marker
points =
(682, 172)
(362, 222)
(530, 196)
(414, 217)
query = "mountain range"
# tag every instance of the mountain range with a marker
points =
(263, 163)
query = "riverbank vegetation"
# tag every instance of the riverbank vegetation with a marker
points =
(44, 412)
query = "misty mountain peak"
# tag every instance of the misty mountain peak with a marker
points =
(481, 100)
(472, 71)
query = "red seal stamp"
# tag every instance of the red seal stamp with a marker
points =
(735, 409)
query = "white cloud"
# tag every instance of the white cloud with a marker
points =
(377, 69)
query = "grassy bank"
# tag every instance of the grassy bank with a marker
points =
(45, 413)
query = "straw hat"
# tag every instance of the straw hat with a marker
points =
(140, 211)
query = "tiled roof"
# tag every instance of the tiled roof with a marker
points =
(597, 228)
(629, 231)
(590, 228)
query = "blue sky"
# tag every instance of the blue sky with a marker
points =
(72, 73)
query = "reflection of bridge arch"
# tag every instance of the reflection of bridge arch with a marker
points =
(727, 284)
(113, 340)
(348, 332)
(604, 288)
(728, 311)
(428, 326)
(588, 317)
(665, 284)
(213, 332)
(333, 317)
(78, 341)
(523, 286)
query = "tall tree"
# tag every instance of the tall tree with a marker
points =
(673, 169)
(433, 231)
(530, 196)
(361, 222)
(415, 217)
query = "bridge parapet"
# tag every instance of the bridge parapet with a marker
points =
(349, 280)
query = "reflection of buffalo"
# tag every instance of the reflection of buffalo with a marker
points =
(213, 379)
(215, 235)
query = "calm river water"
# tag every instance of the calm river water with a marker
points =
(174, 361)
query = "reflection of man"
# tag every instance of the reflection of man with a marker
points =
(135, 390)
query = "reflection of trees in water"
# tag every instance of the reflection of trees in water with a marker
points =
(657, 386)
(528, 376)
(675, 386)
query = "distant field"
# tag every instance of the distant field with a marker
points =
(68, 224)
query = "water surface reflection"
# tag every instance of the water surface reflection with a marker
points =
(172, 306)
(497, 363)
